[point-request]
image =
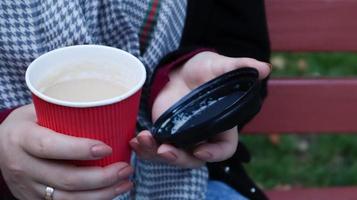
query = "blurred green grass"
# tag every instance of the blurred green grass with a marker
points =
(305, 160)
(314, 64)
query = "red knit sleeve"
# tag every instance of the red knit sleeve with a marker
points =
(4, 190)
(5, 113)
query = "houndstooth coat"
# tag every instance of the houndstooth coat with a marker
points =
(148, 29)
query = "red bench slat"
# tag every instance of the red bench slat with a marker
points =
(308, 105)
(312, 25)
(342, 193)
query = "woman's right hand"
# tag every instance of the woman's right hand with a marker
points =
(31, 158)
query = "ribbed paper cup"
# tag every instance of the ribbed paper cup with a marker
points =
(111, 120)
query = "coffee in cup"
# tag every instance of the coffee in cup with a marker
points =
(84, 84)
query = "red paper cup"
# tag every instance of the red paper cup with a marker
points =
(112, 121)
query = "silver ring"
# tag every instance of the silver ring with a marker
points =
(49, 193)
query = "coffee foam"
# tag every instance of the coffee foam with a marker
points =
(86, 71)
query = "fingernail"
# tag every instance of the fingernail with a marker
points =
(168, 155)
(270, 66)
(203, 154)
(124, 172)
(124, 187)
(100, 150)
(152, 142)
(134, 144)
(149, 142)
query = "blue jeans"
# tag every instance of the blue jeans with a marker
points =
(217, 190)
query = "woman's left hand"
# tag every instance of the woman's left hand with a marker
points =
(196, 71)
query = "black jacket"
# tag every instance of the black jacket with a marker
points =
(234, 28)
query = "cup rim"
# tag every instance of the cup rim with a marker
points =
(103, 102)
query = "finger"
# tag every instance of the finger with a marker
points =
(147, 141)
(72, 178)
(145, 146)
(45, 143)
(103, 193)
(178, 157)
(220, 148)
(25, 112)
(140, 151)
(230, 64)
(134, 144)
(38, 190)
(24, 189)
(263, 68)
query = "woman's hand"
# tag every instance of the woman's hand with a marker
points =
(198, 70)
(32, 157)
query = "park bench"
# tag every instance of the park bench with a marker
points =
(310, 105)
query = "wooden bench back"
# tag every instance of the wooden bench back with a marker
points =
(310, 105)
(312, 25)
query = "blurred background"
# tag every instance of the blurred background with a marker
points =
(284, 161)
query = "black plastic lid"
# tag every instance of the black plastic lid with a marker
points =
(215, 106)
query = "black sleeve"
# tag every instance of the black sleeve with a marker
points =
(234, 28)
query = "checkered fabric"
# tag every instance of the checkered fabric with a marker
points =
(29, 28)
